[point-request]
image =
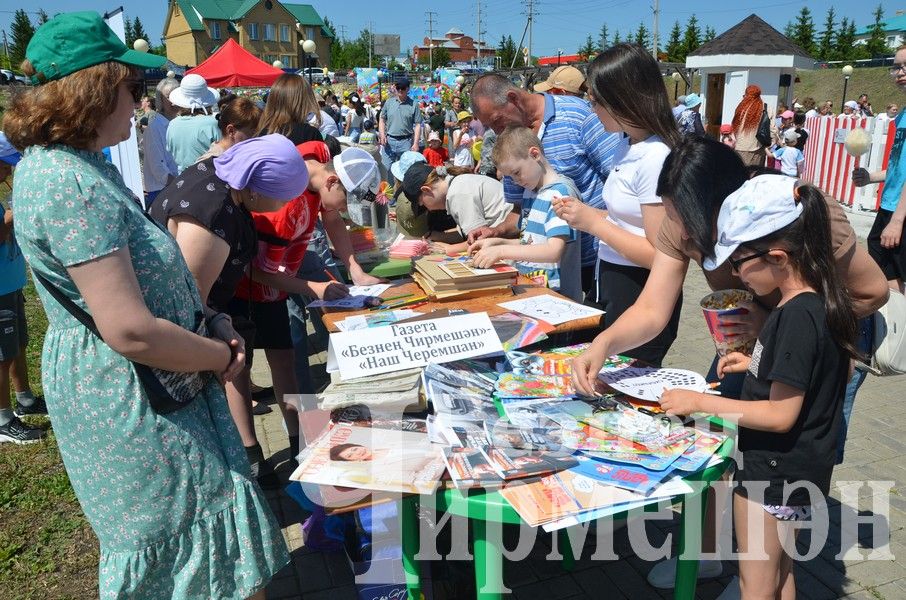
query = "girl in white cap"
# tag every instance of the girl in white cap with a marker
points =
(777, 237)
(191, 133)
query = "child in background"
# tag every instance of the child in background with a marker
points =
(462, 142)
(799, 126)
(435, 153)
(368, 137)
(777, 237)
(726, 135)
(790, 157)
(546, 242)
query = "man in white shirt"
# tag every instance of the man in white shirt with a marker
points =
(158, 166)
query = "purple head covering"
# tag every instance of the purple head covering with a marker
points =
(269, 165)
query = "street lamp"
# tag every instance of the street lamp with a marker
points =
(141, 45)
(847, 73)
(676, 77)
(308, 47)
(380, 91)
(431, 60)
(559, 52)
(277, 64)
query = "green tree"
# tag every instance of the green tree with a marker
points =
(789, 30)
(710, 34)
(21, 31)
(804, 31)
(138, 32)
(441, 57)
(877, 44)
(674, 47)
(616, 37)
(692, 37)
(507, 51)
(826, 39)
(128, 32)
(844, 46)
(42, 17)
(603, 42)
(588, 50)
(642, 36)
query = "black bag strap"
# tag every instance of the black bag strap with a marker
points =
(74, 309)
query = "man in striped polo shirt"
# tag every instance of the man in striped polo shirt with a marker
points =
(573, 139)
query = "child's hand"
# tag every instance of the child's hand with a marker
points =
(680, 402)
(861, 177)
(484, 243)
(487, 257)
(576, 213)
(734, 362)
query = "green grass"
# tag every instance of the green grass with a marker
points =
(47, 549)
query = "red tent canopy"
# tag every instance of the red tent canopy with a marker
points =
(234, 66)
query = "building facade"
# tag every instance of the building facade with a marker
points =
(462, 48)
(894, 32)
(269, 29)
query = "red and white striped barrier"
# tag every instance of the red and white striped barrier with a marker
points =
(829, 167)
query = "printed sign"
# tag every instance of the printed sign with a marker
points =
(400, 346)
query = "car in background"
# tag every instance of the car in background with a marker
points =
(9, 77)
(317, 74)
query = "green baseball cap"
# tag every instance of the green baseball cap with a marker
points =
(74, 41)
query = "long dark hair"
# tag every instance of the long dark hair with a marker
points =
(697, 176)
(627, 80)
(807, 242)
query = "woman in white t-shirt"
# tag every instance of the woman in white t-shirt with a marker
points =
(627, 93)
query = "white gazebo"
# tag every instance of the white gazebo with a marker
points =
(751, 52)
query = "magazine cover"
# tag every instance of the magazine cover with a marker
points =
(698, 454)
(372, 459)
(516, 331)
(528, 412)
(628, 477)
(514, 385)
(470, 467)
(608, 446)
(512, 463)
(452, 404)
(476, 376)
(547, 436)
(619, 419)
(540, 501)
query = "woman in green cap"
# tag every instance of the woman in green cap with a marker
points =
(170, 496)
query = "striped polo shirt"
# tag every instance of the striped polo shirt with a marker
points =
(576, 145)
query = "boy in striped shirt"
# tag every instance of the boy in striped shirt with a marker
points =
(546, 242)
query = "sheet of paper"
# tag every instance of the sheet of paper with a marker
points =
(376, 319)
(401, 346)
(369, 290)
(551, 309)
(349, 303)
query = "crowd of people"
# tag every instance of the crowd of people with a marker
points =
(592, 183)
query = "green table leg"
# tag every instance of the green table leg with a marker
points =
(488, 563)
(566, 547)
(687, 570)
(409, 518)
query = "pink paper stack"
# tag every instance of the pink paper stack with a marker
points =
(409, 249)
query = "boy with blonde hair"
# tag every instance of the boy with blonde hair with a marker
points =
(546, 242)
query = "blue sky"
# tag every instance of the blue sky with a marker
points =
(559, 23)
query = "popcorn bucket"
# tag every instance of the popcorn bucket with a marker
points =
(726, 302)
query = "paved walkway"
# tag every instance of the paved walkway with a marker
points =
(875, 451)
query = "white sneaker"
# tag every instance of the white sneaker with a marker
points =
(731, 592)
(663, 574)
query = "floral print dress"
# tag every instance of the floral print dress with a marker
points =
(170, 497)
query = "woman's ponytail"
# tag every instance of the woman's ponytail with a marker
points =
(817, 266)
